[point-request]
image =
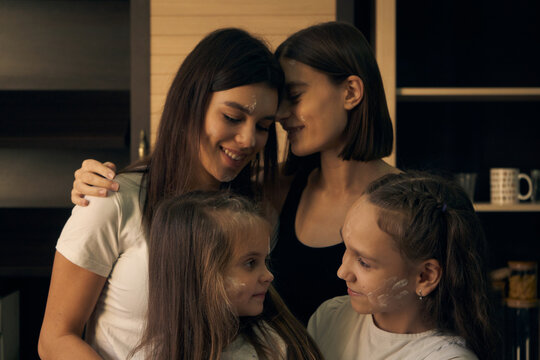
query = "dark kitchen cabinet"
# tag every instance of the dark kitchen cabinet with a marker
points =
(74, 84)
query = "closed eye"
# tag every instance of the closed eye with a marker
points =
(231, 119)
(264, 126)
(293, 98)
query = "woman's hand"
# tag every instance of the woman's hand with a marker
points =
(93, 178)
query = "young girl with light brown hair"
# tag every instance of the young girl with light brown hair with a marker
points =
(210, 294)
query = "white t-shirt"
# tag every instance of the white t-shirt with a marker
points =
(343, 334)
(106, 238)
(241, 349)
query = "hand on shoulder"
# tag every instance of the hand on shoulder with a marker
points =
(95, 179)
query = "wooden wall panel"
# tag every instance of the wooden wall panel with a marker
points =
(241, 7)
(260, 24)
(385, 51)
(176, 26)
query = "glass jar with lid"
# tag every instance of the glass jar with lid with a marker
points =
(522, 281)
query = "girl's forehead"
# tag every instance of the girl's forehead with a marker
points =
(359, 208)
(254, 234)
(361, 223)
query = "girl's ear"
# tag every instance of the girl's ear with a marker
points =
(354, 91)
(429, 276)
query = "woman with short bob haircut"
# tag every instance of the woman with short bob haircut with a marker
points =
(334, 110)
(368, 135)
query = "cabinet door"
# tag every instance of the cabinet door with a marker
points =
(74, 84)
(9, 326)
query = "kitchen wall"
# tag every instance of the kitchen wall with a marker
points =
(177, 26)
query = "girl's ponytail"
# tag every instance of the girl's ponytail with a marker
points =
(430, 217)
(464, 306)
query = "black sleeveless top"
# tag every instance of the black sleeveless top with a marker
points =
(304, 276)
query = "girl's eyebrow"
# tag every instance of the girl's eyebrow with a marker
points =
(252, 254)
(359, 253)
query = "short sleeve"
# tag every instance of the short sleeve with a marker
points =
(322, 318)
(89, 238)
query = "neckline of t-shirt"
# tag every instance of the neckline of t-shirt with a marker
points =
(387, 334)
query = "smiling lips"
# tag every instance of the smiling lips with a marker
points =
(234, 155)
(291, 131)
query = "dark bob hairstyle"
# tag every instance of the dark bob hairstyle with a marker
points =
(339, 50)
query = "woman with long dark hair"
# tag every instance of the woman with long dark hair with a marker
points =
(216, 129)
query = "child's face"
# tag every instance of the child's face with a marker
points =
(247, 277)
(378, 279)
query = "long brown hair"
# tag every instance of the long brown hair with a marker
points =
(338, 50)
(224, 59)
(189, 315)
(430, 217)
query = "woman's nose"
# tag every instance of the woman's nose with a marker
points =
(246, 136)
(284, 111)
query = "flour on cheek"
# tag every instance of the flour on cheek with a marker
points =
(233, 285)
(391, 290)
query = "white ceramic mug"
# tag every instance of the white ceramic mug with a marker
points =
(504, 184)
(468, 182)
(535, 177)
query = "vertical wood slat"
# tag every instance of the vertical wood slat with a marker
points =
(260, 24)
(385, 51)
(177, 26)
(241, 7)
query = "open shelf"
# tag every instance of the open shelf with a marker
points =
(523, 207)
(65, 119)
(468, 94)
(98, 141)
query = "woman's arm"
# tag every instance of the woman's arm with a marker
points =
(73, 294)
(93, 178)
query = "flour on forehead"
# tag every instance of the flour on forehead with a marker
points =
(346, 231)
(253, 105)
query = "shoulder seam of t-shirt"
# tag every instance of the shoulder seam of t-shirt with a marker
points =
(96, 267)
